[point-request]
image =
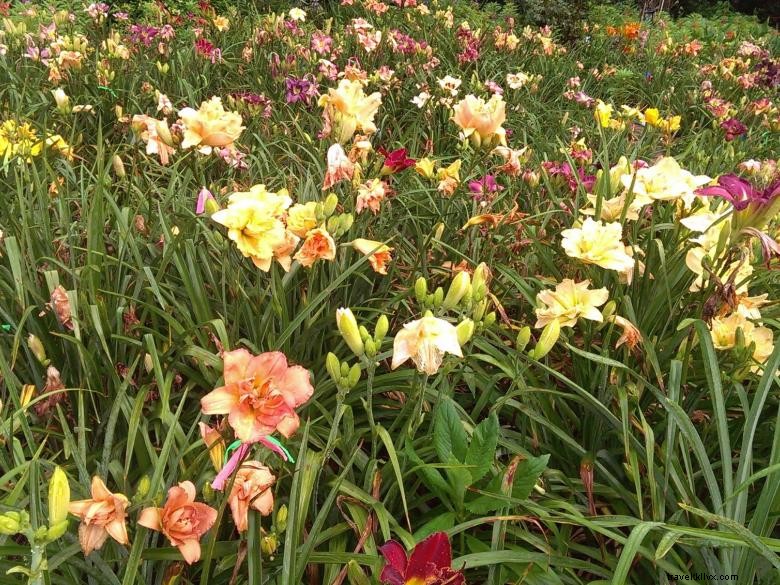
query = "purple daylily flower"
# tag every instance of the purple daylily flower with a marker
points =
(739, 192)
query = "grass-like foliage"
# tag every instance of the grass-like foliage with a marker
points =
(386, 293)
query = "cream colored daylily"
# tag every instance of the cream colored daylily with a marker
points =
(569, 302)
(598, 243)
(666, 180)
(425, 341)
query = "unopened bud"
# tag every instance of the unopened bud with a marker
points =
(464, 331)
(479, 310)
(148, 363)
(481, 276)
(382, 326)
(457, 290)
(57, 531)
(28, 391)
(345, 222)
(608, 310)
(142, 489)
(331, 202)
(364, 334)
(37, 348)
(547, 340)
(9, 525)
(269, 544)
(490, 318)
(59, 496)
(348, 327)
(370, 347)
(439, 232)
(119, 166)
(523, 337)
(333, 366)
(281, 519)
(354, 376)
(438, 297)
(421, 289)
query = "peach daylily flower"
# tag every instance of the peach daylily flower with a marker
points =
(210, 126)
(157, 136)
(481, 120)
(339, 167)
(182, 520)
(377, 252)
(251, 489)
(370, 195)
(318, 245)
(260, 394)
(425, 341)
(102, 516)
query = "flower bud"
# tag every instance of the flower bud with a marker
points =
(142, 489)
(531, 178)
(438, 297)
(479, 310)
(119, 166)
(364, 334)
(148, 363)
(163, 68)
(62, 100)
(547, 340)
(269, 544)
(37, 348)
(164, 132)
(380, 331)
(281, 519)
(345, 222)
(370, 347)
(59, 497)
(332, 225)
(457, 290)
(481, 276)
(354, 376)
(57, 531)
(609, 309)
(331, 202)
(464, 331)
(490, 319)
(9, 525)
(439, 231)
(333, 366)
(421, 289)
(523, 337)
(348, 327)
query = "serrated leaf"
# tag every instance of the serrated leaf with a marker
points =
(527, 474)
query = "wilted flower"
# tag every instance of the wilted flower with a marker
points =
(569, 302)
(340, 167)
(182, 520)
(157, 136)
(598, 243)
(251, 489)
(215, 443)
(377, 252)
(425, 341)
(101, 516)
(260, 394)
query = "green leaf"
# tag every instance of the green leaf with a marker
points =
(482, 449)
(449, 436)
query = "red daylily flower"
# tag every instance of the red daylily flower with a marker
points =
(429, 564)
(395, 161)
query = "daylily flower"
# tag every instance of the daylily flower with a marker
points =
(733, 128)
(182, 520)
(424, 167)
(395, 161)
(204, 196)
(485, 185)
(449, 178)
(318, 245)
(513, 159)
(251, 489)
(370, 195)
(260, 394)
(741, 193)
(210, 126)
(429, 564)
(339, 167)
(157, 136)
(377, 252)
(664, 181)
(348, 109)
(101, 516)
(724, 335)
(254, 222)
(598, 243)
(480, 120)
(570, 302)
(425, 341)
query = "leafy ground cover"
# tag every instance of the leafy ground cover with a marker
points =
(393, 292)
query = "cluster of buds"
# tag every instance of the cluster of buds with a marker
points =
(363, 344)
(337, 224)
(467, 294)
(269, 541)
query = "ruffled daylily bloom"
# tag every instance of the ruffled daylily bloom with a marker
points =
(302, 218)
(598, 243)
(377, 252)
(254, 222)
(429, 564)
(260, 394)
(480, 120)
(101, 516)
(210, 126)
(251, 489)
(570, 302)
(370, 195)
(425, 341)
(347, 109)
(318, 245)
(449, 178)
(339, 167)
(664, 181)
(182, 520)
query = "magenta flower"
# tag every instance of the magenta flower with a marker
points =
(733, 128)
(740, 193)
(204, 195)
(483, 186)
(430, 563)
(395, 161)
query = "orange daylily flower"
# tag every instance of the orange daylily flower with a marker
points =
(251, 489)
(101, 516)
